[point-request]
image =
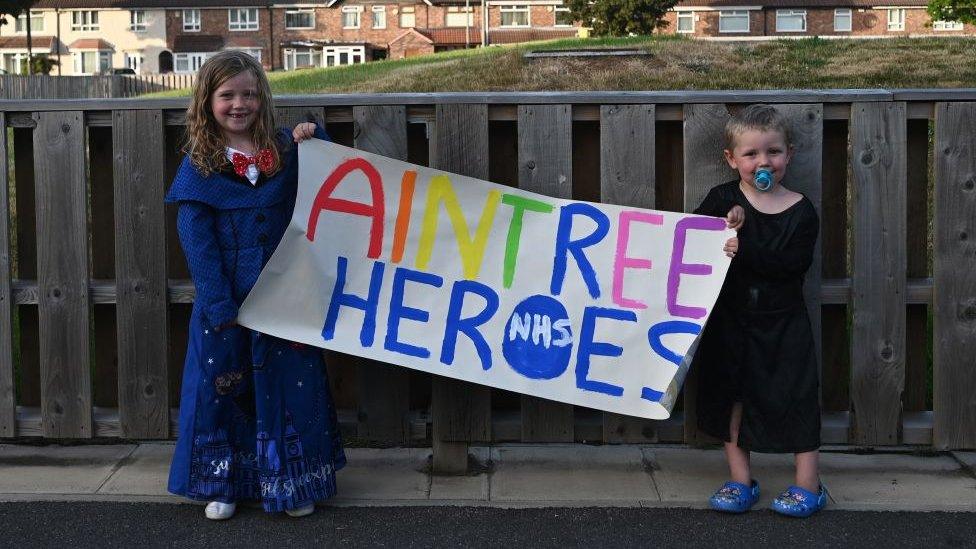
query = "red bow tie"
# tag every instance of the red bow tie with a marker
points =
(263, 160)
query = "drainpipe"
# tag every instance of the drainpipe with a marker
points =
(484, 23)
(57, 18)
(271, 44)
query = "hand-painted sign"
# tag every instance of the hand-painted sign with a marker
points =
(590, 304)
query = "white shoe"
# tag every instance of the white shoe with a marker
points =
(220, 511)
(301, 511)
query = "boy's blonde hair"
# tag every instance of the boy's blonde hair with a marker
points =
(204, 139)
(759, 117)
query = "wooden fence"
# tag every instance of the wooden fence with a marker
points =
(98, 300)
(39, 86)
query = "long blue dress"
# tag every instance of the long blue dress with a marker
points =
(257, 421)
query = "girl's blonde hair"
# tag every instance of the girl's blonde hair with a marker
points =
(764, 118)
(204, 139)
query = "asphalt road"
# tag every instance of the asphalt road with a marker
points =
(78, 525)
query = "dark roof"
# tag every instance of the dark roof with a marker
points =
(451, 36)
(20, 42)
(799, 3)
(514, 36)
(186, 43)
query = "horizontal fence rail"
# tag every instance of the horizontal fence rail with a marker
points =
(42, 86)
(98, 294)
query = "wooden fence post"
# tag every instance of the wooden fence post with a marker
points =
(62, 264)
(140, 279)
(546, 167)
(954, 399)
(878, 162)
(8, 402)
(384, 389)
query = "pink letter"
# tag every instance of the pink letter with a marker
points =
(621, 261)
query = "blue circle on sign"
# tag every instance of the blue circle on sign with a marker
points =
(537, 340)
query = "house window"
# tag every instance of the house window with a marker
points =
(563, 17)
(350, 16)
(344, 55)
(36, 22)
(379, 17)
(15, 63)
(191, 20)
(946, 25)
(896, 19)
(92, 62)
(515, 16)
(84, 20)
(242, 19)
(301, 58)
(459, 17)
(408, 17)
(733, 21)
(686, 22)
(134, 60)
(253, 52)
(842, 20)
(791, 20)
(137, 20)
(189, 62)
(303, 18)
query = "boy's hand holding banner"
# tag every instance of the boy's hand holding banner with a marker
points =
(591, 304)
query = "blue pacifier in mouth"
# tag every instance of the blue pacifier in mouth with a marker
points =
(763, 180)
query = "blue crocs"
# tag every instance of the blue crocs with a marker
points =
(735, 497)
(798, 502)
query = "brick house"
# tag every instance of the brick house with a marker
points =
(785, 18)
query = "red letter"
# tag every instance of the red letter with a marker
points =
(324, 201)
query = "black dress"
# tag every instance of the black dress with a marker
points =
(758, 347)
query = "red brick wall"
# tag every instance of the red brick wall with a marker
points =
(216, 21)
(539, 16)
(413, 43)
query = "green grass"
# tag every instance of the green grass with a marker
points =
(674, 63)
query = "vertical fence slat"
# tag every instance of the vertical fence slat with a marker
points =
(289, 117)
(460, 411)
(954, 399)
(62, 264)
(704, 168)
(879, 167)
(627, 178)
(140, 248)
(8, 402)
(545, 166)
(384, 389)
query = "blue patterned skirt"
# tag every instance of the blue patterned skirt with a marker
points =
(257, 421)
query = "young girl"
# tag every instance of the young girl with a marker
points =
(759, 387)
(256, 417)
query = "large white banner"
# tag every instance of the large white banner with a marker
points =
(590, 304)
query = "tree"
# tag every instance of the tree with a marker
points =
(963, 11)
(14, 8)
(621, 17)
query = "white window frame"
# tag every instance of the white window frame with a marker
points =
(291, 55)
(84, 20)
(353, 55)
(379, 15)
(300, 11)
(192, 15)
(408, 11)
(357, 11)
(802, 14)
(557, 11)
(134, 60)
(104, 61)
(896, 19)
(194, 61)
(253, 52)
(20, 24)
(458, 12)
(942, 26)
(244, 21)
(137, 21)
(733, 15)
(514, 10)
(687, 15)
(840, 13)
(17, 58)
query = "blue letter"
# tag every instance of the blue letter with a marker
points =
(398, 310)
(654, 336)
(588, 347)
(367, 305)
(575, 247)
(469, 325)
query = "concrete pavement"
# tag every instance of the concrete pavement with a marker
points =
(516, 475)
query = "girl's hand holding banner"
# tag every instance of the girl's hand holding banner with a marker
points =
(591, 304)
